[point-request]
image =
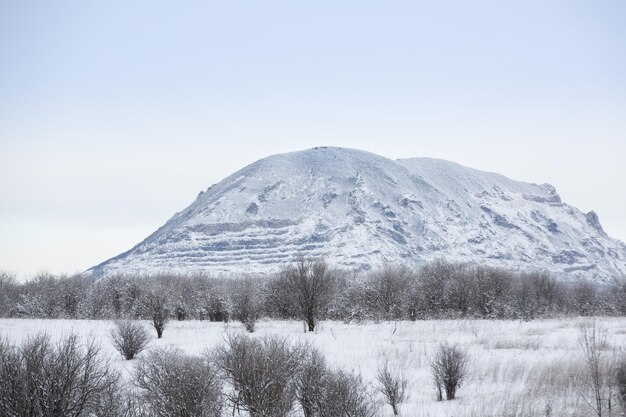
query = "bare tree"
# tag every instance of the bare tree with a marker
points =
(392, 384)
(261, 372)
(448, 368)
(174, 384)
(129, 338)
(64, 379)
(312, 285)
(598, 380)
(155, 307)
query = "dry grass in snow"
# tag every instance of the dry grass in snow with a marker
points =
(515, 368)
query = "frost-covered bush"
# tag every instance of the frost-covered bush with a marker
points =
(343, 394)
(309, 381)
(261, 372)
(129, 338)
(175, 384)
(448, 368)
(69, 378)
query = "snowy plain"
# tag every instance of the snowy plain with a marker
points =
(516, 368)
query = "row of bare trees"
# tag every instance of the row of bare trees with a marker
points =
(310, 291)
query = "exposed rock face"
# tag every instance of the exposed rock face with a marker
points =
(361, 210)
(594, 221)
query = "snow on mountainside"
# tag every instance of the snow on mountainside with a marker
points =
(360, 210)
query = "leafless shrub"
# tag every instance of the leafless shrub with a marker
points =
(69, 379)
(393, 386)
(309, 381)
(129, 338)
(261, 373)
(344, 395)
(448, 369)
(175, 384)
(598, 380)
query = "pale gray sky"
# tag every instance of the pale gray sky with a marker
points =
(114, 115)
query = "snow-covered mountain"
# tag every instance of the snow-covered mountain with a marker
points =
(360, 210)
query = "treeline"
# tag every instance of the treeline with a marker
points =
(310, 290)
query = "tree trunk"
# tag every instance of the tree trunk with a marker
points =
(450, 392)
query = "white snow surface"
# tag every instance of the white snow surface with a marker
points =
(515, 368)
(360, 210)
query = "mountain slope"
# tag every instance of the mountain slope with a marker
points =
(361, 210)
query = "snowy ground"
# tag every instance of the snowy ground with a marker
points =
(517, 368)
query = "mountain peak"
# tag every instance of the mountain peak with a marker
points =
(361, 210)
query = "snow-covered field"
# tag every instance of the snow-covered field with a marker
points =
(516, 368)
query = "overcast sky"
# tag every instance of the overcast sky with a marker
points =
(115, 114)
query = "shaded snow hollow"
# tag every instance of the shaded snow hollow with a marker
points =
(361, 210)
